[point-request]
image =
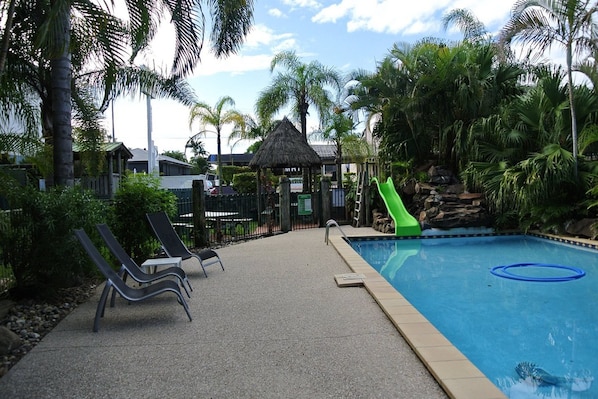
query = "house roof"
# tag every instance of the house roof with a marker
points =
(285, 147)
(140, 155)
(110, 147)
(327, 152)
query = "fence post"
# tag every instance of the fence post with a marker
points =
(325, 201)
(200, 236)
(285, 204)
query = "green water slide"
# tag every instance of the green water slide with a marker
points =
(405, 223)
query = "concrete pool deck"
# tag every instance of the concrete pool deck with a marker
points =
(273, 325)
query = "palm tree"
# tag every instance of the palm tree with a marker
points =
(255, 130)
(26, 81)
(231, 21)
(428, 94)
(473, 29)
(339, 130)
(544, 23)
(522, 159)
(302, 85)
(217, 117)
(9, 11)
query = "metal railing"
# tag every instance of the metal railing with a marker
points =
(229, 218)
(7, 278)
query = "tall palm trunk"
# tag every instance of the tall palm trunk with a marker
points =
(60, 65)
(572, 105)
(219, 160)
(303, 116)
(6, 36)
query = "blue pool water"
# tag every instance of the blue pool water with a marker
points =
(500, 322)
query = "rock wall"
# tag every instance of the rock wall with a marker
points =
(441, 203)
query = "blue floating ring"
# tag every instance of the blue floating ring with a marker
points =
(503, 271)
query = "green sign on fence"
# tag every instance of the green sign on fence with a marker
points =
(304, 204)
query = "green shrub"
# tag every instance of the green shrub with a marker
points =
(39, 244)
(229, 172)
(137, 195)
(245, 183)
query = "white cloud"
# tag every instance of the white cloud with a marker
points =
(261, 35)
(302, 3)
(334, 12)
(390, 16)
(275, 12)
(235, 64)
(380, 15)
(288, 44)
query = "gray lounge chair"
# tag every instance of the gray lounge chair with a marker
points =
(173, 246)
(130, 267)
(113, 280)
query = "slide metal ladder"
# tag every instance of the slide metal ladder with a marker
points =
(358, 198)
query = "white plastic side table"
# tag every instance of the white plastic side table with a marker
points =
(151, 265)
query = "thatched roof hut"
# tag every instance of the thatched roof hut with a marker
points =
(285, 147)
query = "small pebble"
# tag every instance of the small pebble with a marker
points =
(32, 321)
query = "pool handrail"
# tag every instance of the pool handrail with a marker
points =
(332, 222)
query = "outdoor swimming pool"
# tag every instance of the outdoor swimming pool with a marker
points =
(499, 323)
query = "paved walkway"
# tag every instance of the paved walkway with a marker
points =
(273, 325)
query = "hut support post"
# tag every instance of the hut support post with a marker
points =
(200, 234)
(285, 204)
(325, 195)
(260, 202)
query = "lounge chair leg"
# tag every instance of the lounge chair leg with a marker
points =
(186, 307)
(185, 288)
(101, 306)
(188, 284)
(122, 273)
(104, 296)
(183, 303)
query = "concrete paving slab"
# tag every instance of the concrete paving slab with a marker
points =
(274, 324)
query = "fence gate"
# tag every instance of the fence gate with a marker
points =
(235, 217)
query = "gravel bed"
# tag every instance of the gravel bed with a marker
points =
(32, 319)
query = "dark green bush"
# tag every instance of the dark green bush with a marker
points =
(137, 195)
(245, 183)
(40, 246)
(229, 172)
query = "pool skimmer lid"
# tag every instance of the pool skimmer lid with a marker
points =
(504, 272)
(349, 279)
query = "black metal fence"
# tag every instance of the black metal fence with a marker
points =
(229, 218)
(238, 217)
(7, 278)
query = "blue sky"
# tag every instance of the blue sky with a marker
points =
(344, 34)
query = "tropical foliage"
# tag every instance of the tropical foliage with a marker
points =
(138, 195)
(301, 85)
(544, 24)
(39, 246)
(508, 128)
(78, 54)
